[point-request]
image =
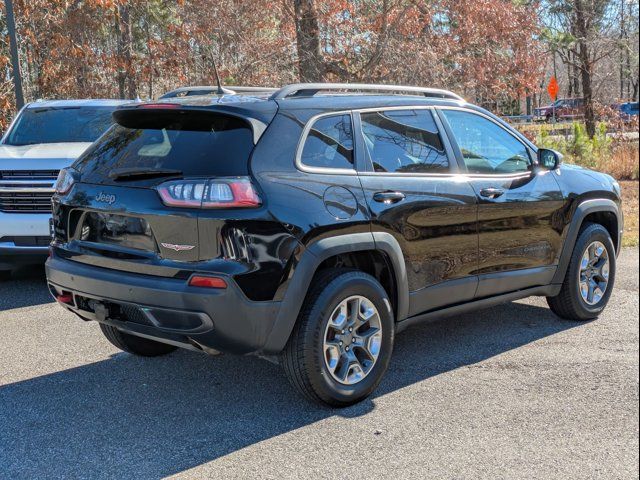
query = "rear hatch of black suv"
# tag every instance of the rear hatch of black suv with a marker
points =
(161, 191)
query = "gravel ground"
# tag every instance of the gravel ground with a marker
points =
(509, 392)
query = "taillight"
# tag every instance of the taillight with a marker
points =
(207, 282)
(65, 298)
(64, 182)
(237, 192)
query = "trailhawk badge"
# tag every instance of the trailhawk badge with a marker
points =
(178, 248)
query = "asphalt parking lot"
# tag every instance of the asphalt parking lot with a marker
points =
(510, 392)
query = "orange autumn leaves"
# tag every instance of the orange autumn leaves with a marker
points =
(482, 48)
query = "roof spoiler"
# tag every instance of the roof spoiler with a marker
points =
(125, 115)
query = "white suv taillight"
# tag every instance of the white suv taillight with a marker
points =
(64, 182)
(236, 192)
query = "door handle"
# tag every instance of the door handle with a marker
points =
(491, 192)
(388, 197)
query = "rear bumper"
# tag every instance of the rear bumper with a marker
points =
(165, 309)
(22, 225)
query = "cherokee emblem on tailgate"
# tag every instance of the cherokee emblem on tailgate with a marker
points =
(178, 248)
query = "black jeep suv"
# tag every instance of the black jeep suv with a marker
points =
(311, 224)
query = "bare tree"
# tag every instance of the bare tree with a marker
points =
(126, 79)
(587, 32)
(310, 62)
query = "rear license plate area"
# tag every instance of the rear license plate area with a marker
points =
(117, 230)
(104, 309)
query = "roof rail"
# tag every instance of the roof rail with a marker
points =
(229, 90)
(310, 89)
(252, 89)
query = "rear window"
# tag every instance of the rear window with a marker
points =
(196, 143)
(329, 143)
(59, 125)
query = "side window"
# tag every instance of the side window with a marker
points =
(329, 143)
(404, 141)
(486, 147)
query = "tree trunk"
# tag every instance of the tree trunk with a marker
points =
(310, 63)
(126, 80)
(120, 76)
(586, 74)
(570, 77)
(576, 77)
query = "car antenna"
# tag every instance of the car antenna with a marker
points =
(221, 90)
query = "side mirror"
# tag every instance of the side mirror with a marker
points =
(549, 159)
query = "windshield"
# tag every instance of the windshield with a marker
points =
(59, 125)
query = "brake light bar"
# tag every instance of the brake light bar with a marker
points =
(152, 106)
(236, 192)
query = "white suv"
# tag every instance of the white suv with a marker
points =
(45, 137)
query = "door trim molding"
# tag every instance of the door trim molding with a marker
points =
(547, 291)
(443, 294)
(496, 283)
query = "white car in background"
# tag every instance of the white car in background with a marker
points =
(45, 137)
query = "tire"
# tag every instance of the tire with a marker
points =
(134, 344)
(570, 303)
(305, 360)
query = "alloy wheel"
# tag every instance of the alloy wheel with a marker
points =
(352, 340)
(594, 273)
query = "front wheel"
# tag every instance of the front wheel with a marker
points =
(590, 276)
(341, 345)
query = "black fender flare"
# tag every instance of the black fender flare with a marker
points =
(582, 210)
(306, 267)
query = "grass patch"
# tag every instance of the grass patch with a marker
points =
(615, 155)
(630, 210)
(622, 163)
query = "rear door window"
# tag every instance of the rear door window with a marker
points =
(404, 141)
(329, 143)
(195, 143)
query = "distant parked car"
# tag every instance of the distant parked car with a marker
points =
(45, 137)
(628, 110)
(565, 109)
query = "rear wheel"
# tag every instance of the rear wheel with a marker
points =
(134, 344)
(342, 342)
(589, 279)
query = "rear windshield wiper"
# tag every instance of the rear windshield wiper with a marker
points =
(133, 172)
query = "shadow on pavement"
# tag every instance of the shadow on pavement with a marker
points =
(27, 286)
(136, 417)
